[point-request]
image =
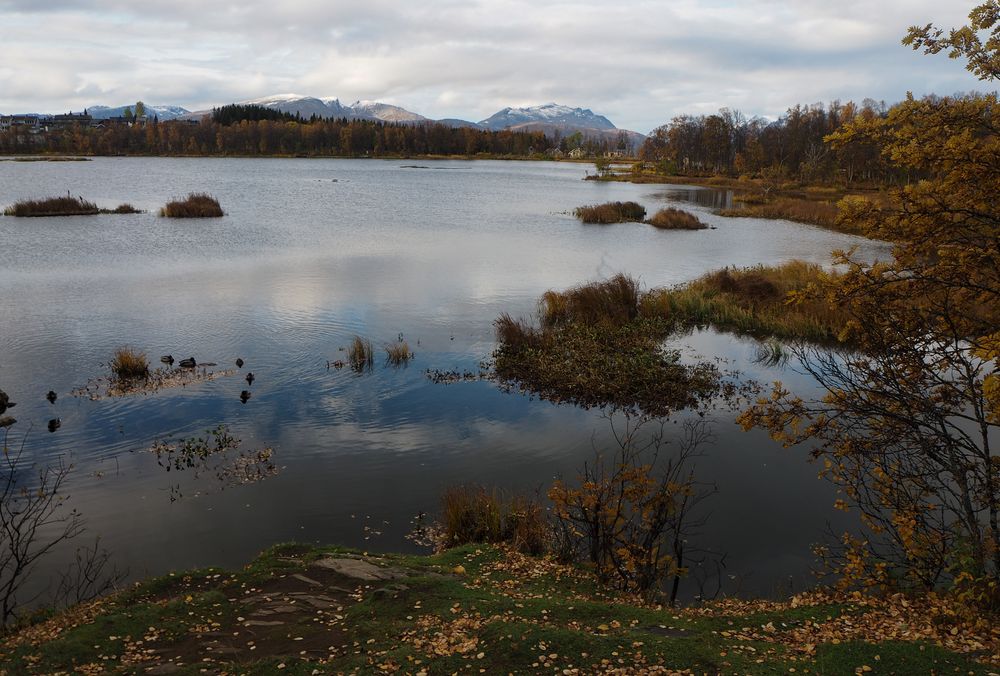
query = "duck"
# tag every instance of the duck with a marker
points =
(245, 395)
(188, 363)
(54, 424)
(5, 402)
(167, 359)
(250, 378)
(52, 396)
(239, 363)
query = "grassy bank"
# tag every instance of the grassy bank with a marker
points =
(760, 198)
(301, 609)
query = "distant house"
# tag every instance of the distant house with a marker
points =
(30, 123)
(577, 153)
(616, 153)
(69, 119)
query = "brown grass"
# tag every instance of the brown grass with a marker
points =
(129, 364)
(676, 219)
(815, 212)
(475, 514)
(614, 301)
(611, 212)
(123, 209)
(514, 332)
(360, 354)
(398, 354)
(53, 206)
(754, 301)
(195, 205)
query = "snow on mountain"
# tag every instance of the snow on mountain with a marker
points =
(294, 104)
(162, 112)
(549, 113)
(387, 112)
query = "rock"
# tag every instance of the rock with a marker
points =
(7, 421)
(308, 580)
(358, 569)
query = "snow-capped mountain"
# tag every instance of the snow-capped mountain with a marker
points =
(549, 114)
(305, 106)
(162, 112)
(386, 112)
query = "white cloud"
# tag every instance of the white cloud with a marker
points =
(637, 61)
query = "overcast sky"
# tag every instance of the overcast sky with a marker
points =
(639, 62)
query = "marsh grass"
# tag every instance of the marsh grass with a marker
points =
(361, 354)
(611, 212)
(129, 364)
(762, 301)
(123, 209)
(815, 211)
(473, 514)
(53, 206)
(195, 205)
(613, 301)
(398, 354)
(671, 218)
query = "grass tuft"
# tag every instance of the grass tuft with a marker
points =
(474, 514)
(676, 219)
(195, 205)
(361, 354)
(398, 354)
(613, 301)
(611, 212)
(129, 364)
(53, 206)
(123, 209)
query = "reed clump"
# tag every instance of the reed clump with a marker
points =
(475, 514)
(671, 218)
(613, 301)
(129, 364)
(784, 301)
(611, 212)
(195, 205)
(816, 212)
(361, 354)
(123, 209)
(52, 206)
(398, 354)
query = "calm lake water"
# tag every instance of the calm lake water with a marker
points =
(310, 253)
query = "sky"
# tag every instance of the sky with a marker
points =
(638, 62)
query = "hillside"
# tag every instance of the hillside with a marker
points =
(479, 609)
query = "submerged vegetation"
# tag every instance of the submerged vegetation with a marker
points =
(611, 212)
(195, 205)
(676, 219)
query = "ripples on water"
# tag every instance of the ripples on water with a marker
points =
(310, 253)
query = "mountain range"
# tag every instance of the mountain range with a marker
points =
(550, 118)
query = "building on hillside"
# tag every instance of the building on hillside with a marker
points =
(30, 123)
(69, 119)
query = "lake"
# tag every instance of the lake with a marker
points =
(311, 253)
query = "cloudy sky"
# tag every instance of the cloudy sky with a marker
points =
(639, 62)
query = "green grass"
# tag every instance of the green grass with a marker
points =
(505, 613)
(611, 212)
(195, 205)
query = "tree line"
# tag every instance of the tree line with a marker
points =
(336, 137)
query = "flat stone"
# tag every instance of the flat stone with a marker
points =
(359, 569)
(262, 623)
(165, 668)
(308, 580)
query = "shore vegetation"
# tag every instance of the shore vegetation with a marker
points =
(195, 205)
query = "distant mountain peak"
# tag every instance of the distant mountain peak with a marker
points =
(548, 113)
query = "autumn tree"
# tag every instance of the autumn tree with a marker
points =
(909, 421)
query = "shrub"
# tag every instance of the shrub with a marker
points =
(398, 353)
(676, 219)
(54, 206)
(195, 205)
(129, 364)
(611, 212)
(361, 354)
(475, 514)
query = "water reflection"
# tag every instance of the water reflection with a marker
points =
(298, 267)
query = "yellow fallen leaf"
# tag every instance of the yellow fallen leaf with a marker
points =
(458, 570)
